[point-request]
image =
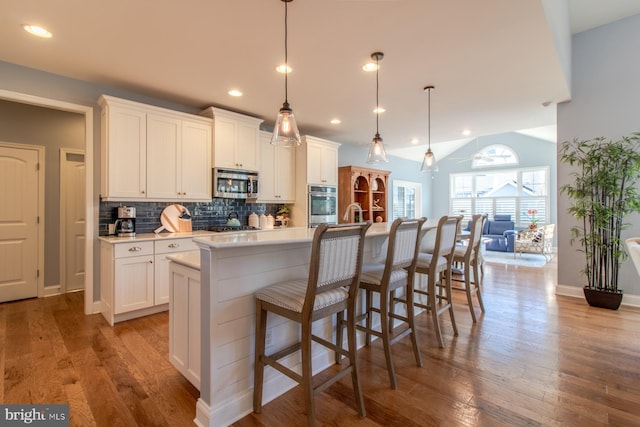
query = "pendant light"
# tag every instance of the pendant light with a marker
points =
(285, 131)
(429, 163)
(377, 152)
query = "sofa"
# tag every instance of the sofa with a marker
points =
(499, 234)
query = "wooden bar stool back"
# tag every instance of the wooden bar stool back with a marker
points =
(384, 278)
(470, 258)
(436, 264)
(330, 288)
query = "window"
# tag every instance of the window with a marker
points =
(494, 155)
(511, 192)
(407, 199)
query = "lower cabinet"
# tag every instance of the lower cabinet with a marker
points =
(134, 276)
(184, 322)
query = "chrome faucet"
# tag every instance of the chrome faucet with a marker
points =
(358, 207)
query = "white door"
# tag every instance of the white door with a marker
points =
(72, 218)
(18, 223)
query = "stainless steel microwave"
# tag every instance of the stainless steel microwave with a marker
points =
(235, 184)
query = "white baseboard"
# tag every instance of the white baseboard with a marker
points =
(576, 292)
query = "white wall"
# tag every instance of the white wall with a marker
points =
(605, 102)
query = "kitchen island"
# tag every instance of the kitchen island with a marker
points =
(233, 266)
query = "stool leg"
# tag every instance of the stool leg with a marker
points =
(258, 376)
(307, 374)
(478, 283)
(467, 289)
(411, 320)
(450, 302)
(353, 360)
(339, 326)
(384, 326)
(433, 307)
(369, 316)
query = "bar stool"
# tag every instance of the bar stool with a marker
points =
(470, 258)
(436, 264)
(330, 288)
(394, 272)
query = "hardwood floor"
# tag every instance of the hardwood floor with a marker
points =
(532, 359)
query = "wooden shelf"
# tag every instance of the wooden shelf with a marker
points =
(366, 179)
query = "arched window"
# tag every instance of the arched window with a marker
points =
(494, 155)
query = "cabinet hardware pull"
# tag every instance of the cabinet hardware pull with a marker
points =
(174, 245)
(135, 249)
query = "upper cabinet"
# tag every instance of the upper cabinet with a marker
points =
(321, 160)
(277, 172)
(154, 154)
(236, 140)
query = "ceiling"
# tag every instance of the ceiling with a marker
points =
(492, 62)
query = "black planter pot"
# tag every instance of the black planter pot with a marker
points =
(602, 298)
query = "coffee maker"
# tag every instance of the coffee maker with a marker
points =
(126, 222)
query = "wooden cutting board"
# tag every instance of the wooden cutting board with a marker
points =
(171, 221)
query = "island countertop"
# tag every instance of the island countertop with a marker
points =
(271, 237)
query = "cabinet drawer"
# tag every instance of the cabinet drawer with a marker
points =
(125, 250)
(175, 245)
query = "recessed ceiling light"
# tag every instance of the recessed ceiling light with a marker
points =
(284, 69)
(234, 92)
(369, 67)
(415, 141)
(466, 132)
(379, 110)
(335, 121)
(37, 31)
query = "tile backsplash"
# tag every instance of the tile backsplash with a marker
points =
(203, 215)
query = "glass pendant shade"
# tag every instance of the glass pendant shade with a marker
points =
(429, 163)
(377, 153)
(285, 131)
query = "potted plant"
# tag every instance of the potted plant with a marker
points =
(602, 193)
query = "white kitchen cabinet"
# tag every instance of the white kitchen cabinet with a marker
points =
(134, 276)
(235, 139)
(184, 322)
(126, 279)
(163, 248)
(178, 159)
(321, 160)
(277, 172)
(316, 164)
(123, 151)
(154, 154)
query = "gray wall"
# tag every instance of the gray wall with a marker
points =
(532, 152)
(605, 102)
(53, 129)
(401, 169)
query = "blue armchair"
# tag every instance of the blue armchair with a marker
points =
(499, 234)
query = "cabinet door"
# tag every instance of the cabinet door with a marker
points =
(314, 163)
(184, 322)
(124, 150)
(267, 172)
(329, 165)
(224, 142)
(194, 162)
(247, 148)
(163, 144)
(161, 279)
(285, 174)
(133, 285)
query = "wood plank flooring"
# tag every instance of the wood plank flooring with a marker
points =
(532, 359)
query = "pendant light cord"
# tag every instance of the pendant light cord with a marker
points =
(377, 102)
(286, 62)
(429, 120)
